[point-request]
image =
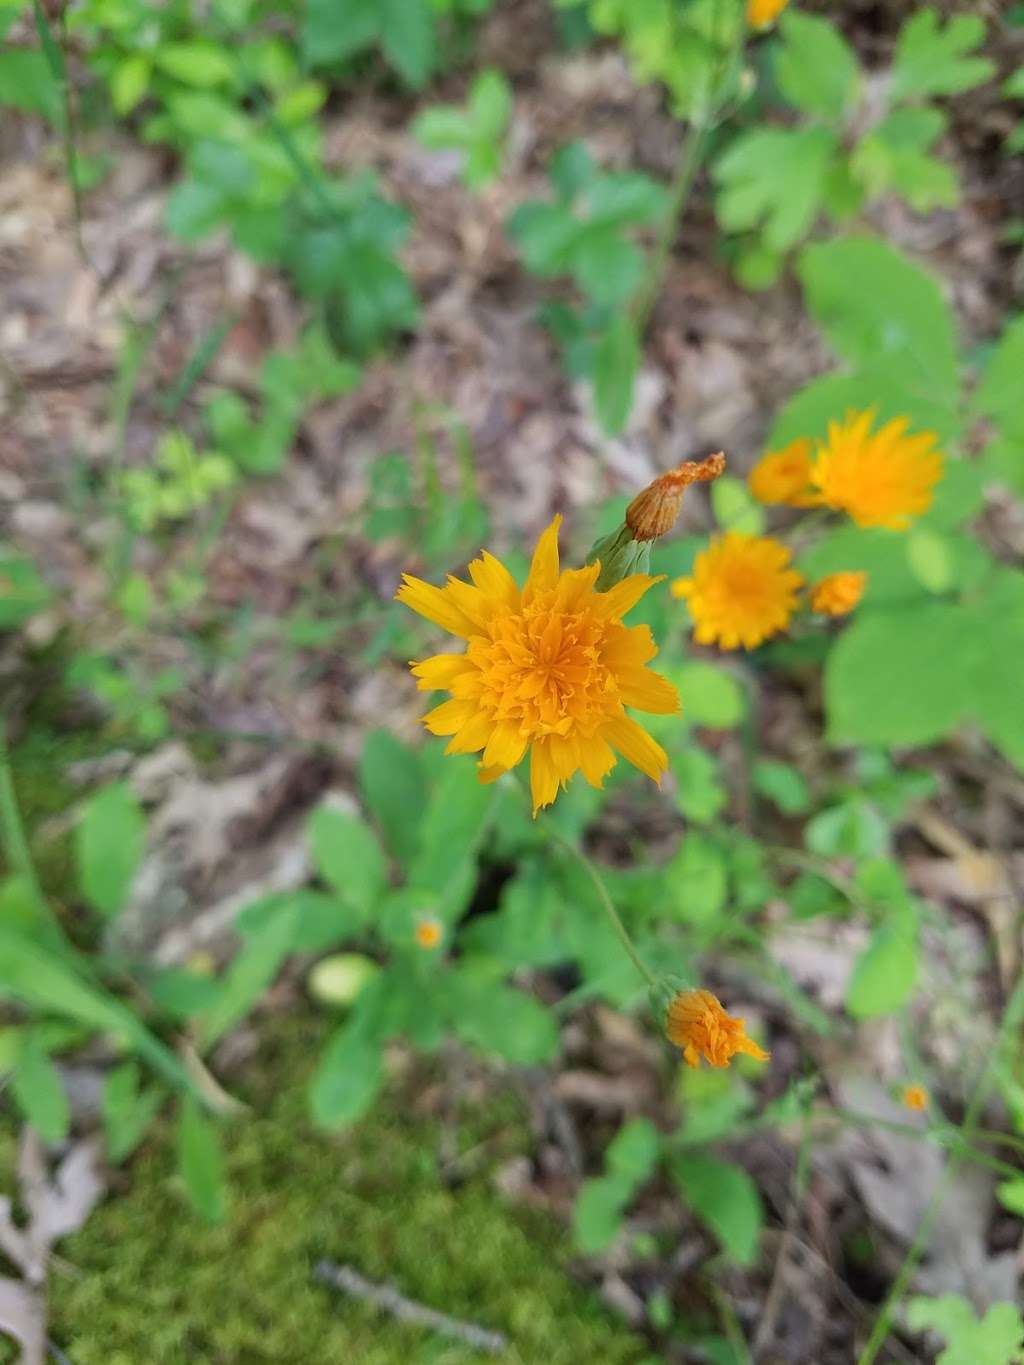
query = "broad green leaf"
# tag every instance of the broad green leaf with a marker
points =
(347, 1077)
(39, 1091)
(634, 1151)
(894, 156)
(597, 1213)
(501, 1021)
(453, 825)
(995, 1339)
(109, 840)
(853, 829)
(902, 318)
(196, 63)
(725, 1198)
(711, 695)
(782, 784)
(734, 508)
(346, 854)
(616, 361)
(885, 974)
(129, 81)
(699, 794)
(930, 559)
(815, 67)
(407, 38)
(394, 791)
(774, 178)
(200, 1162)
(934, 60)
(127, 1110)
(1001, 392)
(335, 31)
(27, 83)
(180, 993)
(319, 921)
(252, 971)
(696, 880)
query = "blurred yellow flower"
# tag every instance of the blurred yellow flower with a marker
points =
(914, 1097)
(761, 13)
(838, 593)
(428, 932)
(785, 476)
(883, 479)
(698, 1025)
(742, 590)
(548, 668)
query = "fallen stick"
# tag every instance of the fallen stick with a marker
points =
(387, 1298)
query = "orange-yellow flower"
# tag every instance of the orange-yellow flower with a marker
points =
(548, 668)
(741, 591)
(428, 932)
(883, 479)
(914, 1097)
(838, 593)
(761, 13)
(785, 476)
(698, 1025)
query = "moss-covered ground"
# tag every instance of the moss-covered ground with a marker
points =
(146, 1283)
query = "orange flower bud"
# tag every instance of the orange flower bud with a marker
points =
(914, 1097)
(698, 1025)
(428, 933)
(654, 511)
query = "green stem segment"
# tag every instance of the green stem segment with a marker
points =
(691, 154)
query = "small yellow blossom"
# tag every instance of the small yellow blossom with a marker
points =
(838, 593)
(549, 669)
(761, 13)
(785, 476)
(883, 479)
(698, 1025)
(741, 591)
(914, 1097)
(428, 932)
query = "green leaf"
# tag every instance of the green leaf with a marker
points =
(597, 1213)
(346, 854)
(26, 83)
(734, 508)
(250, 973)
(453, 825)
(333, 31)
(200, 1162)
(932, 60)
(195, 63)
(853, 829)
(39, 1091)
(930, 559)
(347, 1078)
(394, 791)
(697, 879)
(319, 921)
(500, 1021)
(782, 784)
(711, 695)
(129, 81)
(180, 993)
(894, 156)
(815, 67)
(616, 361)
(1000, 394)
(995, 1339)
(725, 1198)
(634, 1151)
(109, 840)
(774, 178)
(22, 591)
(127, 1111)
(885, 974)
(407, 38)
(699, 794)
(902, 319)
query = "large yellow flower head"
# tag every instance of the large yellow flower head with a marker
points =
(785, 476)
(883, 479)
(698, 1025)
(741, 591)
(761, 13)
(548, 668)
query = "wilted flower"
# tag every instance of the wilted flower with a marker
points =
(428, 932)
(548, 668)
(698, 1025)
(654, 510)
(741, 590)
(914, 1097)
(883, 479)
(761, 13)
(838, 593)
(785, 476)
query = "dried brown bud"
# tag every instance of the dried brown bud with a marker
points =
(654, 511)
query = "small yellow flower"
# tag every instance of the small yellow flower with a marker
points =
(698, 1025)
(838, 593)
(914, 1097)
(785, 476)
(428, 933)
(742, 590)
(883, 479)
(761, 13)
(549, 668)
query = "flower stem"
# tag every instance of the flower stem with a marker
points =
(606, 905)
(691, 153)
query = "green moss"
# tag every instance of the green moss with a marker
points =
(149, 1282)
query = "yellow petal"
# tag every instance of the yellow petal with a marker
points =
(485, 776)
(439, 671)
(544, 566)
(473, 736)
(436, 605)
(597, 759)
(636, 745)
(614, 603)
(449, 717)
(543, 775)
(494, 580)
(505, 747)
(648, 691)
